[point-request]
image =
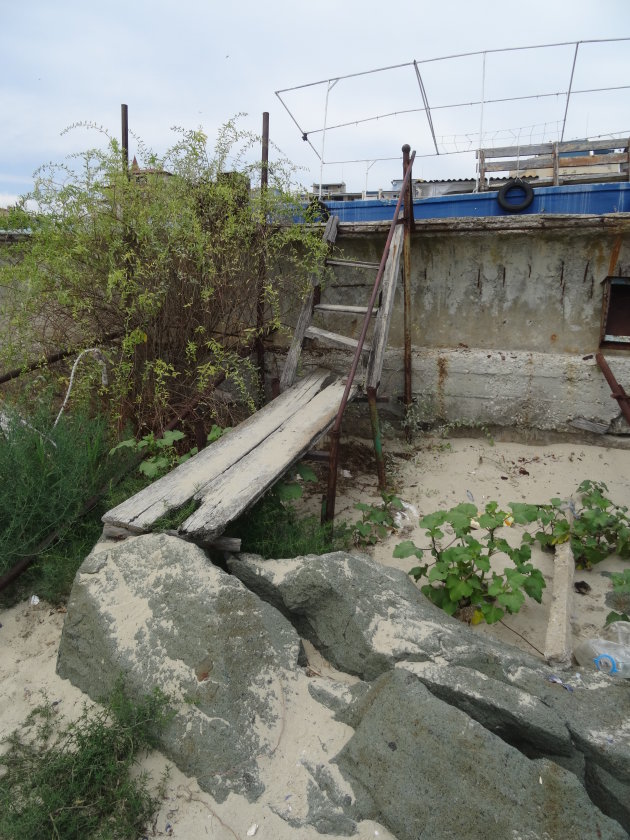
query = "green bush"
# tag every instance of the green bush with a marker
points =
(170, 259)
(72, 782)
(48, 476)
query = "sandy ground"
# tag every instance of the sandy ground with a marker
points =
(429, 476)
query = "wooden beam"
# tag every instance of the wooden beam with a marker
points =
(240, 486)
(170, 492)
(383, 319)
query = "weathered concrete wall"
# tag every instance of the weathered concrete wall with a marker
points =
(506, 317)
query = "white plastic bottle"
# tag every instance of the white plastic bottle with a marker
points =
(610, 654)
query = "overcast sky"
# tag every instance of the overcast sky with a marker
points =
(199, 62)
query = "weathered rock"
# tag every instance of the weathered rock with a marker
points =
(429, 772)
(366, 618)
(611, 795)
(156, 610)
(509, 712)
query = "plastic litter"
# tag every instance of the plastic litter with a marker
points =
(252, 829)
(610, 653)
(34, 600)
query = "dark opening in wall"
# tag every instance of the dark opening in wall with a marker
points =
(616, 312)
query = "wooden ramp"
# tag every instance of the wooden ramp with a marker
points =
(233, 473)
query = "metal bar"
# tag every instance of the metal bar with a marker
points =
(378, 443)
(618, 392)
(124, 122)
(262, 266)
(456, 55)
(470, 104)
(408, 216)
(334, 433)
(566, 107)
(427, 109)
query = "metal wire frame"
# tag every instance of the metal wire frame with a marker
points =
(567, 92)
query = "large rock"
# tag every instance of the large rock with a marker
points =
(154, 609)
(366, 619)
(430, 772)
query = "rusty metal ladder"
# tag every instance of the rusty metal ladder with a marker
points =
(384, 289)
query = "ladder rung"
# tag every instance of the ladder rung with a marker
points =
(335, 339)
(354, 263)
(351, 310)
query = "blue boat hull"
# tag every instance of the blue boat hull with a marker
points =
(580, 199)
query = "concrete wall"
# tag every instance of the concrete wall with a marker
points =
(506, 317)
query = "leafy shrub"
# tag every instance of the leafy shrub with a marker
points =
(47, 478)
(73, 781)
(170, 259)
(460, 575)
(377, 521)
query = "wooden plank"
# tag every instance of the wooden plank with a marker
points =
(173, 490)
(287, 377)
(547, 162)
(241, 486)
(332, 339)
(547, 148)
(384, 317)
(341, 308)
(353, 263)
(293, 356)
(590, 425)
(330, 231)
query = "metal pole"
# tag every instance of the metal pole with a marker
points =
(376, 434)
(124, 121)
(408, 216)
(262, 266)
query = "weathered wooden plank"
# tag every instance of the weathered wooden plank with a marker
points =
(384, 317)
(293, 356)
(173, 490)
(590, 425)
(547, 148)
(287, 377)
(353, 263)
(240, 487)
(342, 308)
(343, 342)
(547, 162)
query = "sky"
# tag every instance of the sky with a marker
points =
(198, 63)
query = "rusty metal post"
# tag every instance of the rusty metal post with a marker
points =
(124, 122)
(262, 266)
(408, 216)
(618, 392)
(376, 434)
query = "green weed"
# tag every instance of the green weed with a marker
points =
(72, 781)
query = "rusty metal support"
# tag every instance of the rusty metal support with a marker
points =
(124, 123)
(328, 512)
(262, 266)
(376, 434)
(618, 392)
(408, 217)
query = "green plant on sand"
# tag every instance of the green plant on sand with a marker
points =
(73, 780)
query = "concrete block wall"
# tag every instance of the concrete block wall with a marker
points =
(506, 318)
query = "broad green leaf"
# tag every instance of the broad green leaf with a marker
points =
(524, 514)
(512, 601)
(307, 473)
(459, 590)
(491, 613)
(288, 490)
(406, 549)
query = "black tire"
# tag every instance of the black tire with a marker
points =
(511, 206)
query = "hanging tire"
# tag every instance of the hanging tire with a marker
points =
(515, 206)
